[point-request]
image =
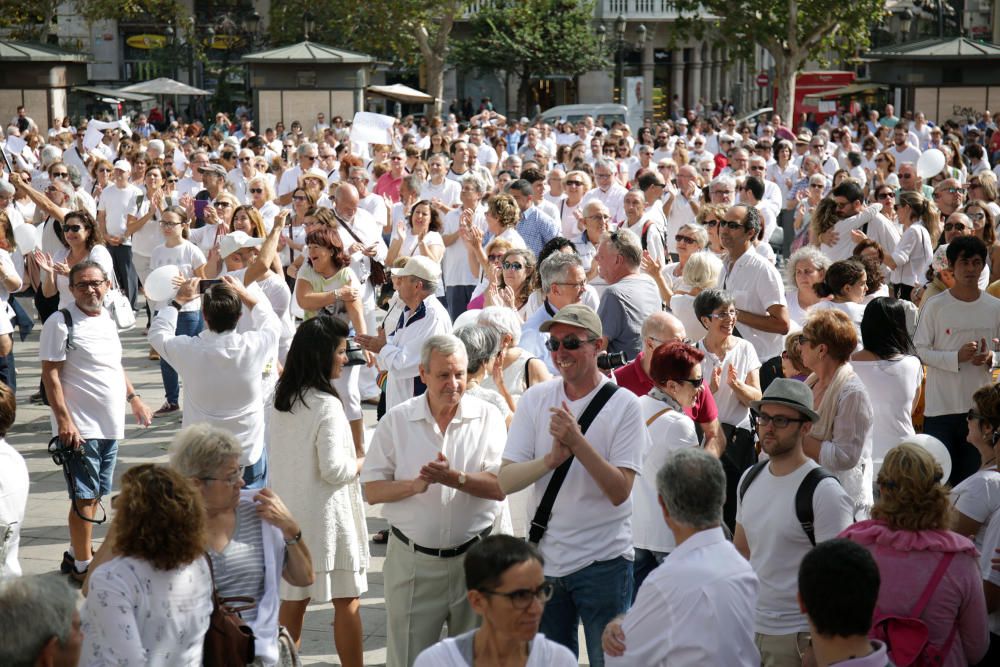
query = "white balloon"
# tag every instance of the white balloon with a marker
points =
(159, 284)
(26, 237)
(936, 449)
(930, 163)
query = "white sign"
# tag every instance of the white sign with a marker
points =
(635, 100)
(372, 128)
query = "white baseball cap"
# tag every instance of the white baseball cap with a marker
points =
(421, 267)
(124, 165)
(234, 241)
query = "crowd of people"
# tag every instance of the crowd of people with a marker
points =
(719, 394)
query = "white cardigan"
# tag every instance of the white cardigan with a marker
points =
(314, 469)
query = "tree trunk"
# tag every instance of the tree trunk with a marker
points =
(784, 77)
(523, 93)
(434, 66)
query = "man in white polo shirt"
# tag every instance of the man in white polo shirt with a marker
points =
(433, 465)
(761, 309)
(117, 202)
(587, 542)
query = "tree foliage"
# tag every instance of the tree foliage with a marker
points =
(31, 20)
(532, 38)
(792, 31)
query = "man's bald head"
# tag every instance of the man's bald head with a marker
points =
(346, 199)
(664, 327)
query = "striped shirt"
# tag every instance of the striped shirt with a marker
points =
(239, 569)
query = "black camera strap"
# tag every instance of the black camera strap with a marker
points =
(63, 455)
(540, 523)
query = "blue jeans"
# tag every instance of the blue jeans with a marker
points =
(189, 323)
(255, 475)
(93, 470)
(595, 595)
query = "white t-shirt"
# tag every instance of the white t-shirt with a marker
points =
(585, 526)
(541, 653)
(449, 192)
(205, 237)
(991, 542)
(455, 264)
(978, 497)
(895, 384)
(92, 378)
(670, 431)
(569, 224)
(98, 254)
(744, 359)
(755, 285)
(913, 254)
(187, 257)
(13, 501)
(778, 543)
(907, 155)
(118, 203)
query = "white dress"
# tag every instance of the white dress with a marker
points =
(895, 383)
(314, 469)
(136, 615)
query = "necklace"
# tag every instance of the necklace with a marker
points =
(988, 464)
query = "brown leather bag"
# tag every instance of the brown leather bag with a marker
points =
(229, 642)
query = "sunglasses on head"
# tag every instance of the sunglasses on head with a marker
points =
(569, 342)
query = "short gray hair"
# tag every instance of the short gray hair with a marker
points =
(554, 268)
(702, 270)
(728, 181)
(33, 610)
(482, 344)
(443, 344)
(805, 253)
(305, 147)
(692, 484)
(699, 232)
(504, 320)
(474, 181)
(627, 244)
(200, 449)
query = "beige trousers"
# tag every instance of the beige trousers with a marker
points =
(783, 650)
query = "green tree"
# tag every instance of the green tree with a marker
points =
(529, 38)
(407, 33)
(792, 31)
(31, 20)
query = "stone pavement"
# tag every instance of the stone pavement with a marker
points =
(45, 535)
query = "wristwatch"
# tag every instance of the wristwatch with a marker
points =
(176, 304)
(462, 478)
(294, 540)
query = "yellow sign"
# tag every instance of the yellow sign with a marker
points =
(147, 41)
(225, 42)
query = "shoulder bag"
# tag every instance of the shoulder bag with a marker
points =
(229, 642)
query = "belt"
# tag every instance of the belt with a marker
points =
(440, 553)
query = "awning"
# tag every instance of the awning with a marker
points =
(164, 86)
(401, 93)
(852, 89)
(111, 92)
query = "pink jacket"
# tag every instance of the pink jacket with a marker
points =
(906, 560)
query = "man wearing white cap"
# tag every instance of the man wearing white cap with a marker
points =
(422, 317)
(118, 201)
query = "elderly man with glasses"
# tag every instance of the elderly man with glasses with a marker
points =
(307, 154)
(608, 190)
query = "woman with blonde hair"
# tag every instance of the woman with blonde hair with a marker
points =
(576, 185)
(918, 556)
(700, 273)
(262, 194)
(150, 603)
(691, 239)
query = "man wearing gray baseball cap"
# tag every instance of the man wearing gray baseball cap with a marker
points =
(784, 506)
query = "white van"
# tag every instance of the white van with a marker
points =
(577, 112)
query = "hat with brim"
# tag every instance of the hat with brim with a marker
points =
(424, 268)
(216, 169)
(234, 241)
(576, 315)
(790, 393)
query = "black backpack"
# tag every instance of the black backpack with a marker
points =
(803, 496)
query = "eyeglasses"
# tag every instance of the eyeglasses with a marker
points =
(954, 191)
(60, 174)
(680, 238)
(728, 315)
(310, 157)
(494, 258)
(569, 342)
(731, 225)
(599, 216)
(222, 204)
(73, 228)
(694, 382)
(89, 285)
(513, 266)
(956, 226)
(246, 159)
(104, 170)
(232, 480)
(577, 286)
(722, 192)
(299, 198)
(256, 191)
(885, 195)
(524, 597)
(779, 421)
(711, 223)
(574, 183)
(167, 223)
(816, 186)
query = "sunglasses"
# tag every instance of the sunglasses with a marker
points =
(256, 191)
(570, 343)
(694, 382)
(977, 216)
(885, 195)
(680, 238)
(171, 180)
(222, 204)
(89, 284)
(815, 186)
(300, 197)
(73, 228)
(513, 266)
(60, 174)
(494, 258)
(731, 225)
(957, 226)
(246, 159)
(574, 183)
(104, 170)
(711, 223)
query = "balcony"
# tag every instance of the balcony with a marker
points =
(636, 10)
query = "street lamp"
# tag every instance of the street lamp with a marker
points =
(621, 46)
(308, 22)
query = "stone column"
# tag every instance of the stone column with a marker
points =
(648, 62)
(696, 70)
(706, 75)
(716, 73)
(677, 76)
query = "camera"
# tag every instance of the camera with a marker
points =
(611, 361)
(62, 453)
(355, 355)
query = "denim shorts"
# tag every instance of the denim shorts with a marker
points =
(92, 472)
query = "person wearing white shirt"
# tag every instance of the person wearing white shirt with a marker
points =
(239, 177)
(117, 203)
(644, 215)
(954, 340)
(460, 283)
(369, 201)
(697, 607)
(193, 184)
(761, 309)
(14, 484)
(901, 149)
(438, 485)
(608, 191)
(683, 202)
(422, 317)
(587, 543)
(222, 369)
(307, 154)
(443, 193)
(768, 532)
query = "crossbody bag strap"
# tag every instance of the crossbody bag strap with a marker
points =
(932, 585)
(540, 523)
(658, 415)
